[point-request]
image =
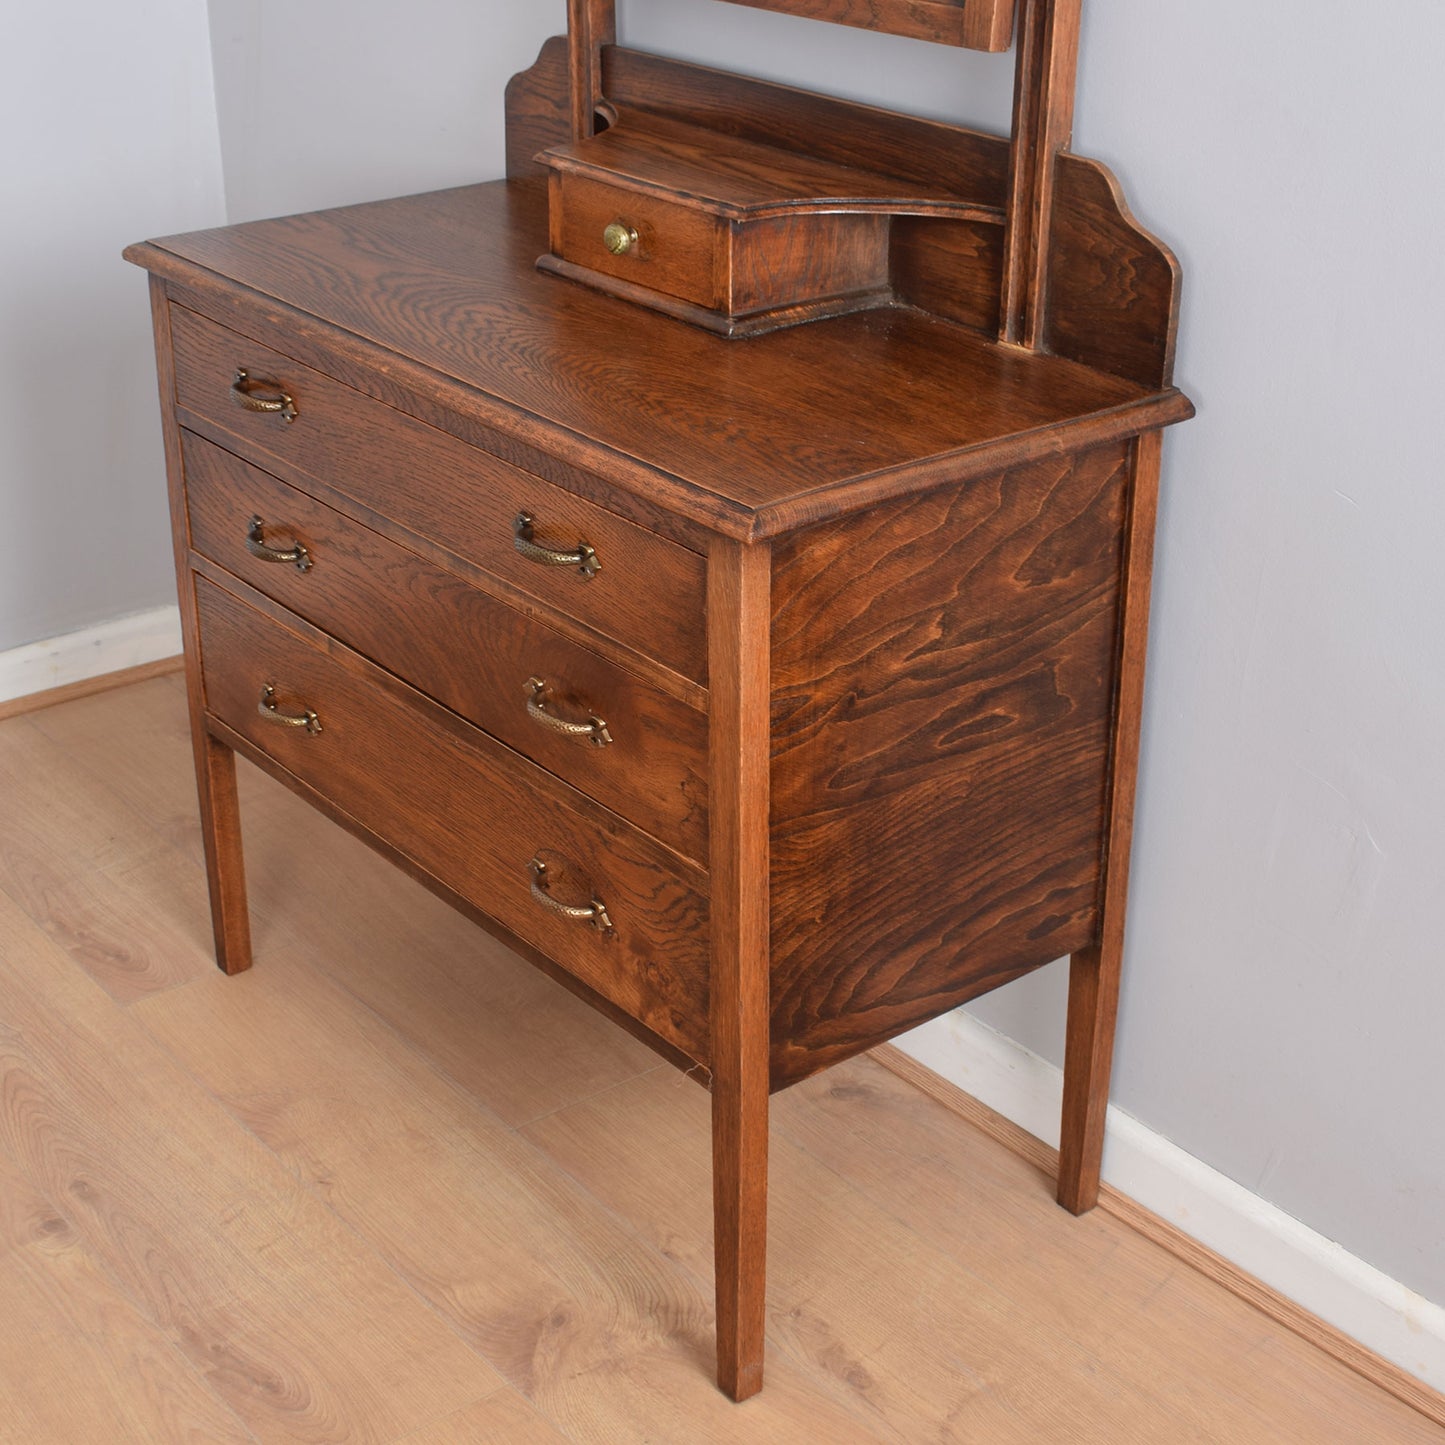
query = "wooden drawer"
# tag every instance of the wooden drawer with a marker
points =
(462, 646)
(678, 250)
(648, 593)
(469, 811)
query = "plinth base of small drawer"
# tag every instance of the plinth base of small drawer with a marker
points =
(754, 324)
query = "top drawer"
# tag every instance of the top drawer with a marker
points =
(576, 558)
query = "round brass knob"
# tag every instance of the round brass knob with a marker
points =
(619, 238)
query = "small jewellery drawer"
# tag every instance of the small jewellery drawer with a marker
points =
(604, 901)
(638, 238)
(579, 559)
(604, 729)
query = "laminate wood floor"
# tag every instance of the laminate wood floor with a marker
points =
(392, 1185)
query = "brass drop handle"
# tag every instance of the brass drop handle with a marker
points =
(594, 912)
(257, 546)
(272, 713)
(619, 237)
(582, 557)
(250, 392)
(594, 730)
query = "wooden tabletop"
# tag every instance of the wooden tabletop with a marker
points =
(751, 436)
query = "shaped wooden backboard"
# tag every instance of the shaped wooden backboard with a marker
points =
(977, 24)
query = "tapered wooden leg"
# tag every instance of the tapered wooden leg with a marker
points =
(1094, 972)
(739, 580)
(215, 763)
(221, 836)
(740, 1230)
(1088, 1058)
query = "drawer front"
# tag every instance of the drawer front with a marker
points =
(647, 592)
(471, 812)
(462, 646)
(677, 250)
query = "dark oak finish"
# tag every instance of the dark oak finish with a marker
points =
(591, 24)
(868, 633)
(957, 732)
(1112, 303)
(435, 487)
(215, 763)
(1043, 123)
(460, 645)
(752, 235)
(831, 408)
(470, 812)
(1113, 288)
(1094, 972)
(738, 603)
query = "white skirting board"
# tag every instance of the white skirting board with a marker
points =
(1382, 1314)
(78, 656)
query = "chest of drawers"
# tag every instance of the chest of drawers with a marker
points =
(774, 695)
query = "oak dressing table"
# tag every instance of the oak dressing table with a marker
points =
(715, 558)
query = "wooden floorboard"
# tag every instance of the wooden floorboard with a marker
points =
(393, 1186)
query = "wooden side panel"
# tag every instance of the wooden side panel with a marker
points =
(1113, 289)
(962, 734)
(538, 115)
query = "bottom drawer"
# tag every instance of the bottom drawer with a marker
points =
(471, 812)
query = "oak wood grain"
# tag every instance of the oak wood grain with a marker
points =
(591, 24)
(699, 168)
(680, 250)
(1043, 122)
(738, 603)
(962, 733)
(1114, 289)
(470, 812)
(738, 438)
(460, 645)
(921, 153)
(450, 495)
(215, 767)
(1094, 972)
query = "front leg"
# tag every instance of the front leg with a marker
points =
(739, 580)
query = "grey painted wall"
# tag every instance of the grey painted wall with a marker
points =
(110, 134)
(1282, 1010)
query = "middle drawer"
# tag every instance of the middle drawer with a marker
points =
(465, 648)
